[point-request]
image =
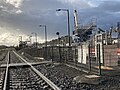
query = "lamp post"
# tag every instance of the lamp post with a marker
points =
(45, 34)
(36, 39)
(68, 24)
(30, 38)
(45, 39)
(20, 38)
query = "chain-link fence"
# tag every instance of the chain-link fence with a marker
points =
(60, 53)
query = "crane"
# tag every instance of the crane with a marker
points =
(82, 33)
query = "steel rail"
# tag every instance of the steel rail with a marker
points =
(39, 73)
(6, 73)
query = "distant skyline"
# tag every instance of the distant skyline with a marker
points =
(22, 17)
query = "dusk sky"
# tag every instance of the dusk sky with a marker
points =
(22, 17)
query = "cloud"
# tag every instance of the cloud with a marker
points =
(8, 38)
(18, 11)
(26, 15)
(94, 3)
(75, 3)
(15, 3)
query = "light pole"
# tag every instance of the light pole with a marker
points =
(45, 39)
(36, 39)
(20, 38)
(67, 10)
(30, 38)
(45, 34)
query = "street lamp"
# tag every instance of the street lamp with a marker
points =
(45, 39)
(36, 38)
(45, 34)
(20, 38)
(68, 23)
(30, 38)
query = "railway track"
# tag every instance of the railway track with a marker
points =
(14, 59)
(2, 74)
(63, 76)
(29, 57)
(22, 77)
(25, 78)
(3, 59)
(47, 76)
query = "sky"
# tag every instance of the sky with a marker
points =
(23, 17)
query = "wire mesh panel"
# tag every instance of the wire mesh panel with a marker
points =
(110, 55)
(62, 53)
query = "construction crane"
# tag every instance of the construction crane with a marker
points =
(75, 22)
(82, 33)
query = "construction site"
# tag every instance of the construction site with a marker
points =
(90, 45)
